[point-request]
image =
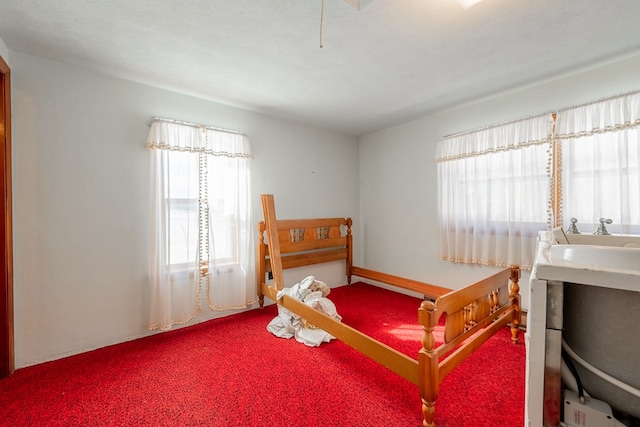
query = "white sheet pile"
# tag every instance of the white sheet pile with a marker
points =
(289, 325)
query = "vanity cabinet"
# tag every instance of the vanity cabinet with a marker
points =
(590, 297)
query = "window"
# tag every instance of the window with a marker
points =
(600, 159)
(499, 186)
(493, 193)
(200, 232)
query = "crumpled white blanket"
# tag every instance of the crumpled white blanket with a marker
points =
(289, 325)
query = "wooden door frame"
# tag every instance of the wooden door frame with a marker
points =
(7, 362)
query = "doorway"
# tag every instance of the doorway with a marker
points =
(6, 234)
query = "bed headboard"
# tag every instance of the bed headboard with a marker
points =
(302, 242)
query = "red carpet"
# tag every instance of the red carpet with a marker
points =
(232, 372)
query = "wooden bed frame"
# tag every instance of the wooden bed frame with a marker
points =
(472, 314)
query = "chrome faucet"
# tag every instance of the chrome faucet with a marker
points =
(602, 230)
(573, 229)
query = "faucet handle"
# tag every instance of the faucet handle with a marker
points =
(602, 229)
(573, 229)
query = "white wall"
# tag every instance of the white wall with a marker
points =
(398, 183)
(81, 177)
(80, 190)
(4, 52)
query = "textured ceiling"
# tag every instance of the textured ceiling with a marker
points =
(390, 62)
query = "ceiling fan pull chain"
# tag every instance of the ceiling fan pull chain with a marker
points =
(321, 22)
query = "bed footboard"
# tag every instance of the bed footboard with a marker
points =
(473, 315)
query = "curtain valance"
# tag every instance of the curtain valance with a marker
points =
(503, 137)
(603, 116)
(177, 136)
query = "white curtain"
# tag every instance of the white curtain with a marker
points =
(601, 159)
(493, 192)
(200, 236)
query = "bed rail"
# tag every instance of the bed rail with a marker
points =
(428, 290)
(312, 241)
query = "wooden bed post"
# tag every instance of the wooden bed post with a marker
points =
(428, 360)
(269, 211)
(514, 296)
(260, 270)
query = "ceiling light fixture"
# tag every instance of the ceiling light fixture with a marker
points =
(358, 4)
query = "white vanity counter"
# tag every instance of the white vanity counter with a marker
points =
(596, 264)
(599, 265)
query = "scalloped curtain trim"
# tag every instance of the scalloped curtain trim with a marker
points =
(187, 137)
(612, 114)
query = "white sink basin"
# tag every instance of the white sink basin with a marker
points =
(605, 265)
(596, 257)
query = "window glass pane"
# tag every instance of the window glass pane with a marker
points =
(183, 230)
(601, 179)
(182, 207)
(182, 175)
(223, 205)
(497, 187)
